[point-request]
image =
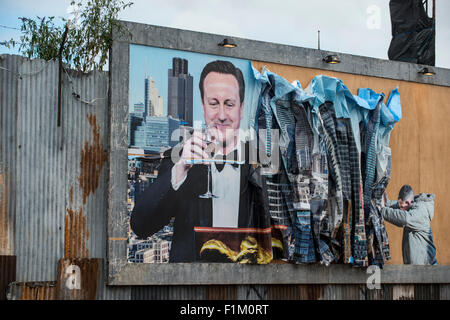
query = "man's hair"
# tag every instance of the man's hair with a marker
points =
(406, 192)
(224, 67)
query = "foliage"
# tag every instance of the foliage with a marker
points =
(88, 40)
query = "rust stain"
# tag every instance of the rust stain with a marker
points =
(39, 291)
(89, 273)
(71, 195)
(93, 158)
(4, 220)
(221, 292)
(75, 234)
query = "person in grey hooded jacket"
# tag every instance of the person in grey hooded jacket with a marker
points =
(414, 214)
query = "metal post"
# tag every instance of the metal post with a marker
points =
(318, 39)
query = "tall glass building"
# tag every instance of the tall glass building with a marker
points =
(180, 92)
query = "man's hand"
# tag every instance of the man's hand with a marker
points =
(195, 148)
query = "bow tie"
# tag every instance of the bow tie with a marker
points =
(231, 156)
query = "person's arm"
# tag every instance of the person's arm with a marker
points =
(417, 217)
(414, 218)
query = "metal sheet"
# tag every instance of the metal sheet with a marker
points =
(9, 77)
(168, 293)
(55, 177)
(58, 212)
(444, 293)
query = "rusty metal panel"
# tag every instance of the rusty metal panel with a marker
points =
(168, 293)
(7, 273)
(444, 293)
(221, 292)
(105, 292)
(427, 292)
(403, 292)
(113, 293)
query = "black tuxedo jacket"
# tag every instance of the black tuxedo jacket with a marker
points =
(160, 202)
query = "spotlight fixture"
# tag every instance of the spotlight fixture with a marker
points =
(332, 59)
(427, 72)
(227, 43)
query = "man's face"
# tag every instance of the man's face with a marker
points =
(221, 105)
(404, 204)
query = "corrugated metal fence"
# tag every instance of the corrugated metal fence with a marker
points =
(54, 179)
(53, 198)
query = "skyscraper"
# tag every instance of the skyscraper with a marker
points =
(180, 92)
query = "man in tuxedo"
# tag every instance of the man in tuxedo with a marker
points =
(240, 199)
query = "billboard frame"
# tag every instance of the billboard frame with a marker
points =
(121, 272)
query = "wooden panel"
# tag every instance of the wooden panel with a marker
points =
(221, 292)
(419, 144)
(434, 144)
(78, 279)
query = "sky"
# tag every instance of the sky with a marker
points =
(359, 27)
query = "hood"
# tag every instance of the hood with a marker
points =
(426, 199)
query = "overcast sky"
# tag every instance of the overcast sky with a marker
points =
(360, 27)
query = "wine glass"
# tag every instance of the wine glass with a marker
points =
(209, 138)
